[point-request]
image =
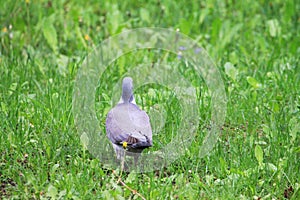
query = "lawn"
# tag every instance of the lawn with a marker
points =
(255, 46)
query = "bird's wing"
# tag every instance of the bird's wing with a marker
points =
(127, 121)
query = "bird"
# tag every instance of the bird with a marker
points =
(127, 126)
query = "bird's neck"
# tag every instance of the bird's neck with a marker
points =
(127, 100)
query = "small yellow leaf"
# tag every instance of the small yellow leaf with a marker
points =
(124, 145)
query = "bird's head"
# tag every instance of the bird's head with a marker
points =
(127, 90)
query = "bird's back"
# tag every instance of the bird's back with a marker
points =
(127, 122)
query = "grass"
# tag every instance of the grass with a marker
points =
(256, 47)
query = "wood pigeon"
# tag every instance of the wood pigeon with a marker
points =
(127, 126)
